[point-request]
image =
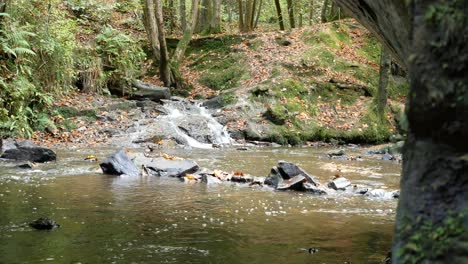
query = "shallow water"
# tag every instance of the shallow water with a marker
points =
(159, 220)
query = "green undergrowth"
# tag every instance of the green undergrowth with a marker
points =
(221, 65)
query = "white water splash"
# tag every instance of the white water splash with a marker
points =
(181, 111)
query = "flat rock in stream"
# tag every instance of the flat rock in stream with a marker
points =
(171, 168)
(25, 150)
(339, 184)
(119, 163)
(294, 183)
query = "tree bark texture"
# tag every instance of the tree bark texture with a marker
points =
(323, 15)
(183, 14)
(164, 69)
(389, 20)
(280, 14)
(152, 28)
(292, 21)
(385, 61)
(434, 185)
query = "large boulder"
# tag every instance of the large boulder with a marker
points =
(287, 175)
(171, 168)
(289, 170)
(119, 163)
(25, 150)
(198, 128)
(274, 178)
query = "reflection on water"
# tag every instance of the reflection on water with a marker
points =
(157, 220)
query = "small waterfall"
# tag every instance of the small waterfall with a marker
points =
(193, 125)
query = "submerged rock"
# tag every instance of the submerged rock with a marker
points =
(209, 179)
(44, 223)
(383, 194)
(29, 165)
(25, 150)
(171, 168)
(118, 164)
(339, 183)
(309, 187)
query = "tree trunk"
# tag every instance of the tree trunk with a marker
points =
(323, 15)
(183, 15)
(385, 61)
(216, 19)
(432, 210)
(252, 14)
(241, 15)
(389, 20)
(177, 80)
(335, 12)
(260, 5)
(292, 22)
(311, 13)
(164, 69)
(280, 14)
(152, 28)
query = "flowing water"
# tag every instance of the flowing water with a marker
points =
(162, 220)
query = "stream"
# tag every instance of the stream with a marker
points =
(108, 219)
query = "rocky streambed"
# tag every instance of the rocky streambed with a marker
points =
(233, 217)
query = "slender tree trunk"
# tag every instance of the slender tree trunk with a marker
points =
(178, 81)
(164, 69)
(280, 14)
(311, 13)
(252, 14)
(323, 16)
(183, 15)
(385, 61)
(241, 16)
(260, 5)
(290, 6)
(152, 28)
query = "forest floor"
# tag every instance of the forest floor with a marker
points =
(308, 84)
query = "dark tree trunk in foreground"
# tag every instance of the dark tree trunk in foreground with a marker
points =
(280, 14)
(432, 216)
(432, 211)
(385, 61)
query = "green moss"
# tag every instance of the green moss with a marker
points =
(227, 99)
(66, 111)
(220, 79)
(371, 49)
(428, 241)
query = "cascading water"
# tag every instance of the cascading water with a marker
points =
(192, 125)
